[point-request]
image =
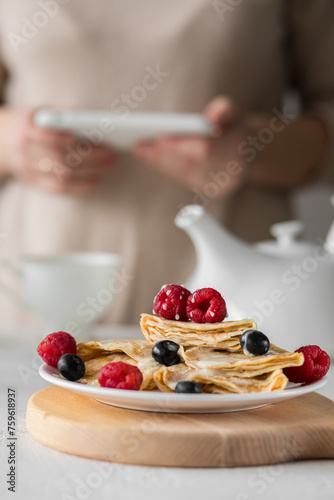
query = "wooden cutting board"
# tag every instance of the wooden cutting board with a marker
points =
(296, 429)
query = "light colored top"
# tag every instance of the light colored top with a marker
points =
(156, 56)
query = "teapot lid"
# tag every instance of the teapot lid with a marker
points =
(286, 244)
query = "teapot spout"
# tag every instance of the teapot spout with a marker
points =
(207, 235)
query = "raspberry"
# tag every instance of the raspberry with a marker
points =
(120, 376)
(316, 365)
(206, 305)
(55, 345)
(171, 302)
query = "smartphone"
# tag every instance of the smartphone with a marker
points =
(122, 130)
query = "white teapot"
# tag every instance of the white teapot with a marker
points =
(286, 286)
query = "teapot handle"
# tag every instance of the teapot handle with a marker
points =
(329, 243)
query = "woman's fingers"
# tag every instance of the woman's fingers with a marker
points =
(192, 147)
(222, 113)
(31, 133)
(50, 138)
(181, 159)
(189, 148)
(196, 161)
(53, 161)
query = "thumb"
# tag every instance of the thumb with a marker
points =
(222, 113)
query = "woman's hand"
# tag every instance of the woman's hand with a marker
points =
(50, 159)
(198, 162)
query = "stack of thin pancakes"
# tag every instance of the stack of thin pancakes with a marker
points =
(210, 355)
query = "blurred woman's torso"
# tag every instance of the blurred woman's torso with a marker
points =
(163, 56)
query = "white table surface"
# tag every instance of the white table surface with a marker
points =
(43, 473)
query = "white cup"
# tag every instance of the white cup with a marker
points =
(69, 292)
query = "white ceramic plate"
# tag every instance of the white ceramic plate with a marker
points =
(122, 130)
(179, 403)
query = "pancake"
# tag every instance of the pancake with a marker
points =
(215, 381)
(237, 362)
(138, 349)
(90, 350)
(219, 381)
(223, 335)
(218, 371)
(94, 365)
(138, 353)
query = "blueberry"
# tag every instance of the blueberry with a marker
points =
(254, 342)
(71, 366)
(188, 386)
(165, 352)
